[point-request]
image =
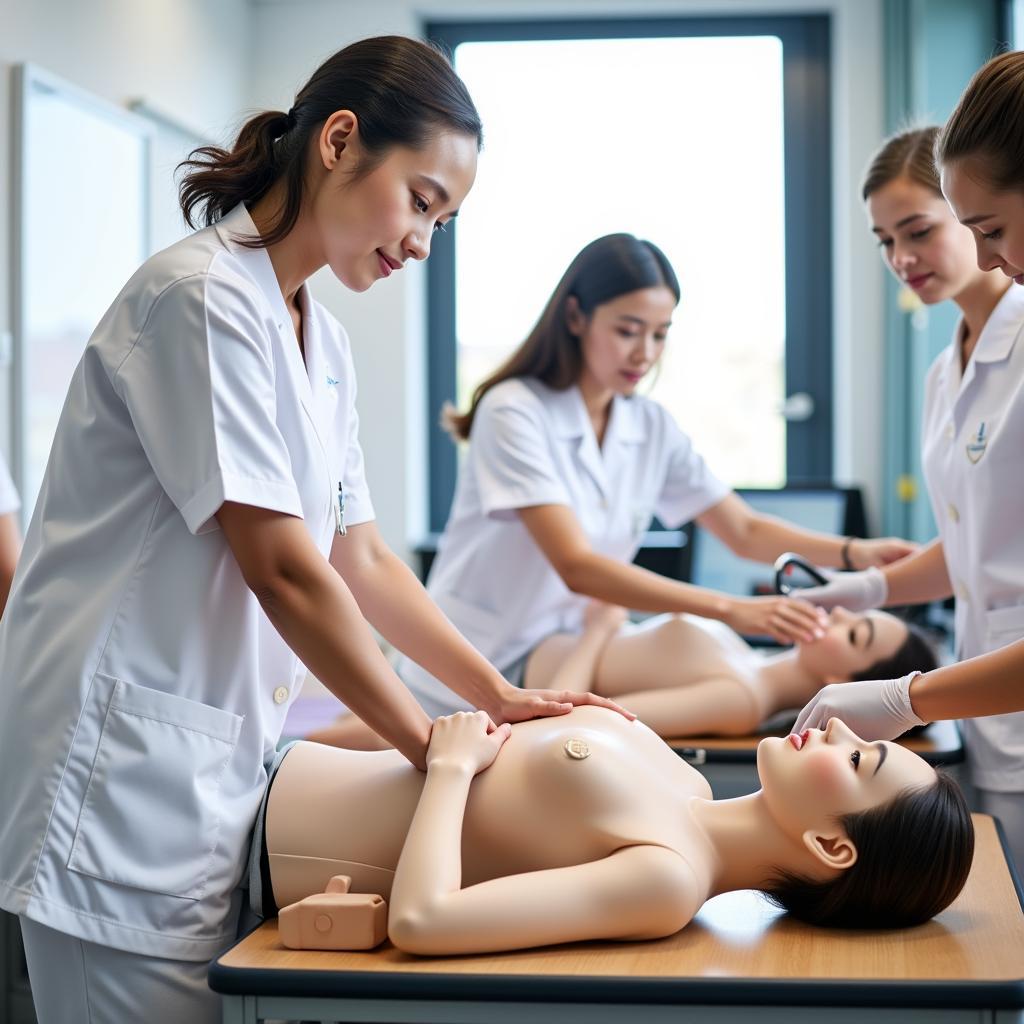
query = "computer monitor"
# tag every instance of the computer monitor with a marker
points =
(835, 510)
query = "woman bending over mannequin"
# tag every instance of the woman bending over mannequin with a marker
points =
(688, 676)
(588, 826)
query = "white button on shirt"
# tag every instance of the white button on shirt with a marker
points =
(134, 720)
(280, 694)
(531, 445)
(976, 486)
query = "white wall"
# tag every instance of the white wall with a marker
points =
(387, 324)
(187, 58)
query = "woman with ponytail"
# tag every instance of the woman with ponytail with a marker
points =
(204, 533)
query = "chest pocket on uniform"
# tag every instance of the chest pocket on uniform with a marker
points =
(152, 809)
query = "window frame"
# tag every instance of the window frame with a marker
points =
(807, 155)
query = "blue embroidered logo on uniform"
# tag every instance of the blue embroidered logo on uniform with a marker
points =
(977, 444)
(332, 382)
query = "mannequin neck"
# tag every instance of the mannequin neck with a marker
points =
(785, 682)
(745, 847)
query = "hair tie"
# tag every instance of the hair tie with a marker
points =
(290, 119)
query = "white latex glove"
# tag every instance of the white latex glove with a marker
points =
(855, 591)
(875, 709)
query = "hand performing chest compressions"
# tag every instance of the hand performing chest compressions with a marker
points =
(204, 533)
(973, 435)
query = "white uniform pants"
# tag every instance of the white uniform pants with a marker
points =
(78, 982)
(1009, 809)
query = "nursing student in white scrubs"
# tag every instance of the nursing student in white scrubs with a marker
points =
(204, 533)
(973, 430)
(566, 466)
(10, 534)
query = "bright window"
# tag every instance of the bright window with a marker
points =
(677, 140)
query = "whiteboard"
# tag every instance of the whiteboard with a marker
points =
(81, 230)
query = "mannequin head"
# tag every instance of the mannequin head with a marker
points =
(869, 645)
(885, 840)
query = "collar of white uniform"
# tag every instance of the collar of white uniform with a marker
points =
(1000, 332)
(569, 415)
(238, 224)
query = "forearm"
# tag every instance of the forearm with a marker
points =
(430, 865)
(398, 606)
(920, 577)
(630, 586)
(319, 619)
(991, 684)
(765, 538)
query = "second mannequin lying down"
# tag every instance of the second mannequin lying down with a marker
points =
(587, 826)
(688, 676)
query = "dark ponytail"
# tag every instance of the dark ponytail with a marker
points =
(403, 92)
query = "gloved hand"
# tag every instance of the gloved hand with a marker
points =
(875, 709)
(856, 591)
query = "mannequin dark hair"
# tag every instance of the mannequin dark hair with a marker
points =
(913, 857)
(403, 92)
(608, 267)
(916, 654)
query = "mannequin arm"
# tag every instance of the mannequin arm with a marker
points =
(921, 577)
(639, 892)
(712, 707)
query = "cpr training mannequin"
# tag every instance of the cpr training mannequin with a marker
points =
(688, 676)
(588, 827)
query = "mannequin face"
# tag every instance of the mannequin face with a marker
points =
(369, 227)
(622, 340)
(809, 781)
(852, 644)
(995, 218)
(921, 241)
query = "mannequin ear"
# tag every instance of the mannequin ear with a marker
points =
(832, 849)
(575, 320)
(339, 133)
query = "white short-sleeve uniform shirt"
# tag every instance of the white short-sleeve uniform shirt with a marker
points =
(531, 445)
(142, 689)
(973, 455)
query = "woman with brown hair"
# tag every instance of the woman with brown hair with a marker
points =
(973, 444)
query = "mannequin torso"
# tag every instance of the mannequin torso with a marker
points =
(536, 807)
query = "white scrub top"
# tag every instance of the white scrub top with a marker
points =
(973, 456)
(142, 688)
(9, 500)
(531, 445)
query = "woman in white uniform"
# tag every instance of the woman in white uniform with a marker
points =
(204, 533)
(973, 440)
(565, 468)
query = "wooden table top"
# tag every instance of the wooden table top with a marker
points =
(736, 940)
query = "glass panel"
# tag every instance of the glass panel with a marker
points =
(84, 237)
(677, 140)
